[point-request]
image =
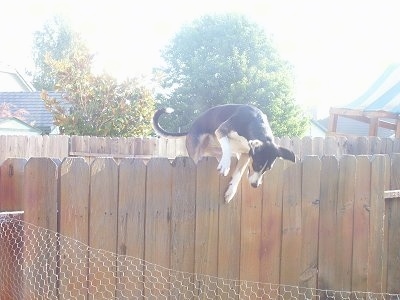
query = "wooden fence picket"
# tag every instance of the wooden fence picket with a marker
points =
(393, 233)
(158, 227)
(396, 146)
(138, 146)
(306, 146)
(11, 148)
(310, 202)
(250, 236)
(344, 222)
(362, 146)
(33, 145)
(271, 227)
(74, 224)
(387, 145)
(183, 224)
(318, 146)
(41, 193)
(170, 149)
(330, 146)
(103, 220)
(12, 184)
(131, 222)
(327, 224)
(375, 145)
(291, 226)
(99, 145)
(296, 146)
(379, 173)
(362, 207)
(149, 146)
(40, 207)
(3, 149)
(207, 205)
(229, 237)
(11, 199)
(180, 147)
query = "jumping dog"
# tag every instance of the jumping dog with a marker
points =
(231, 129)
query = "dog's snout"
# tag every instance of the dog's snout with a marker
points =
(255, 179)
(255, 184)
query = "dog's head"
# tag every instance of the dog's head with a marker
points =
(263, 155)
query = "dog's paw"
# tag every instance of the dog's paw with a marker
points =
(224, 165)
(230, 192)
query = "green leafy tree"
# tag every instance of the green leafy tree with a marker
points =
(97, 105)
(228, 59)
(56, 39)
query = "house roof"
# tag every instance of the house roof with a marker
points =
(14, 126)
(12, 81)
(38, 116)
(383, 95)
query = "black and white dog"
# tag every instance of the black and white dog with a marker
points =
(221, 131)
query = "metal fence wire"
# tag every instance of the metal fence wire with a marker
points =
(37, 263)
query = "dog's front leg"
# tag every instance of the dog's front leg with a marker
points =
(236, 177)
(225, 162)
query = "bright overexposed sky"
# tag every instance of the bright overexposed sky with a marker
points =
(337, 48)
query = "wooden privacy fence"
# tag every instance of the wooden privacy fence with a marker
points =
(320, 223)
(60, 146)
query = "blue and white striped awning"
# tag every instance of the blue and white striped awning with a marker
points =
(383, 95)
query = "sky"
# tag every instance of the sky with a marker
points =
(337, 48)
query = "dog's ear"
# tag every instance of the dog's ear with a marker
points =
(254, 144)
(286, 154)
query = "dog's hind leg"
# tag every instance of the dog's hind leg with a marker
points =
(236, 177)
(193, 147)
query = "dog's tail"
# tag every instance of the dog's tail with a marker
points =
(159, 130)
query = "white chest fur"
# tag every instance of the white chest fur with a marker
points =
(238, 143)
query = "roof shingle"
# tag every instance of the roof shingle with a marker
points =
(38, 115)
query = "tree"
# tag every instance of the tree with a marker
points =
(228, 59)
(56, 39)
(96, 105)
